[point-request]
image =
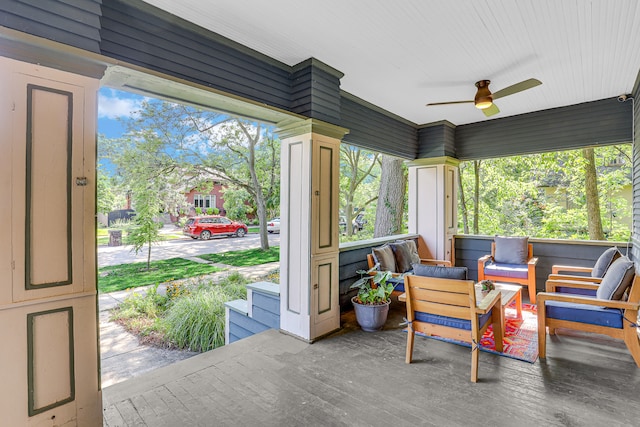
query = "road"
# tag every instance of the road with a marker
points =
(187, 247)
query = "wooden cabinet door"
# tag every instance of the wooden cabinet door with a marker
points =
(48, 296)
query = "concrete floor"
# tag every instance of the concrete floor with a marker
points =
(355, 378)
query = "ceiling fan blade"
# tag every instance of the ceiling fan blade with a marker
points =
(518, 87)
(491, 110)
(450, 102)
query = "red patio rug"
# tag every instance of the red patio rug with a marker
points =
(520, 335)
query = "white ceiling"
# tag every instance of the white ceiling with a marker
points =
(403, 55)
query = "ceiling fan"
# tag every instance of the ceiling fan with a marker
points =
(484, 98)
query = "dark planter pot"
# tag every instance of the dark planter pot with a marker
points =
(371, 318)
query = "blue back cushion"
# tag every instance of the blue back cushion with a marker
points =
(511, 250)
(617, 279)
(604, 262)
(459, 273)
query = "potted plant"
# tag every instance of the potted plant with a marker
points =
(372, 302)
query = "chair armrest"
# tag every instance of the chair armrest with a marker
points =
(484, 259)
(442, 262)
(550, 296)
(552, 285)
(555, 269)
(532, 261)
(492, 299)
(565, 277)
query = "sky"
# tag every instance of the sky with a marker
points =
(113, 104)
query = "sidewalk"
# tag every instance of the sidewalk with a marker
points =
(122, 356)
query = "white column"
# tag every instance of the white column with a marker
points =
(309, 234)
(433, 201)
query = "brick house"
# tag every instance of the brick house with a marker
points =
(199, 198)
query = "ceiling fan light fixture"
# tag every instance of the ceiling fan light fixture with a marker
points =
(483, 97)
(483, 103)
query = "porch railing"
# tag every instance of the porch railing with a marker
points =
(467, 250)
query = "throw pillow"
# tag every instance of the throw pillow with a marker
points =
(415, 258)
(604, 262)
(459, 273)
(383, 255)
(402, 253)
(511, 250)
(616, 280)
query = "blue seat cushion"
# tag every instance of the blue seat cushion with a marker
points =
(516, 271)
(451, 322)
(581, 313)
(399, 282)
(576, 291)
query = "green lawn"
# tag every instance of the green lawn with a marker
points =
(124, 276)
(246, 257)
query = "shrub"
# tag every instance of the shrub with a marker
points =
(150, 305)
(196, 321)
(176, 290)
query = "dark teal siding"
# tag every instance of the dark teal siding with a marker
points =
(602, 122)
(133, 31)
(373, 129)
(75, 23)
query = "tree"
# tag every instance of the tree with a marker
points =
(591, 192)
(207, 145)
(357, 169)
(389, 209)
(545, 195)
(149, 170)
(464, 212)
(105, 197)
(247, 157)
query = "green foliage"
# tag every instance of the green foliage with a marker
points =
(176, 290)
(196, 321)
(359, 183)
(373, 289)
(189, 316)
(198, 145)
(198, 211)
(150, 304)
(125, 276)
(245, 258)
(236, 204)
(543, 195)
(106, 197)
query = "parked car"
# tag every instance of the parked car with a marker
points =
(273, 226)
(357, 223)
(204, 227)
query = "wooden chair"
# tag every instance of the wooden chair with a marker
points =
(448, 308)
(523, 274)
(617, 319)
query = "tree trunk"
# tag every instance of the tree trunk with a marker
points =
(591, 192)
(149, 256)
(463, 205)
(476, 195)
(391, 197)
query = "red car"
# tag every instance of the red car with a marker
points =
(206, 226)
